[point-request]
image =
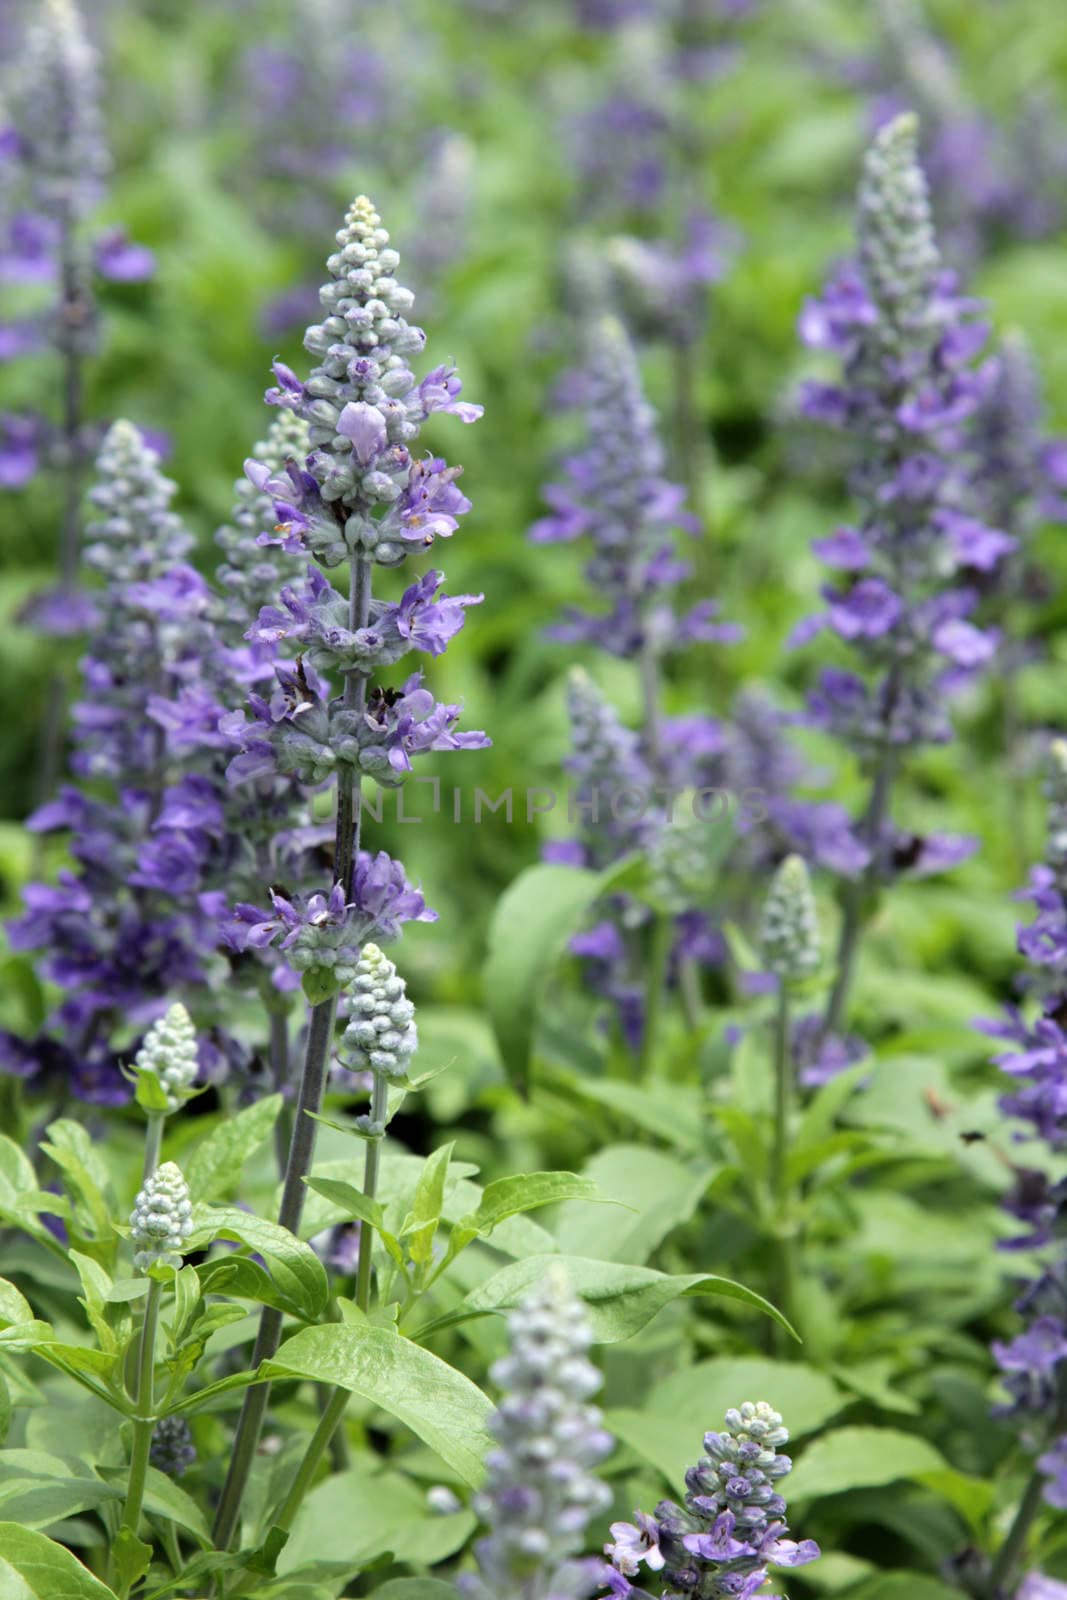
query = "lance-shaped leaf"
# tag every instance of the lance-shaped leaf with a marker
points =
(440, 1405)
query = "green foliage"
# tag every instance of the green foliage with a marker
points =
(35, 1568)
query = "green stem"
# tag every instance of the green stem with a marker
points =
(279, 1072)
(144, 1422)
(334, 1409)
(268, 1338)
(692, 997)
(1008, 1555)
(870, 831)
(783, 1107)
(153, 1143)
(690, 436)
(655, 987)
(379, 1106)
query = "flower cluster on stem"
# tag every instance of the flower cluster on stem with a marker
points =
(719, 1544)
(907, 341)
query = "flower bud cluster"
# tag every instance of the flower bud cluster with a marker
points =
(541, 1488)
(169, 1050)
(789, 930)
(162, 1219)
(381, 1035)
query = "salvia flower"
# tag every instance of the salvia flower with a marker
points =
(789, 929)
(731, 1528)
(162, 1219)
(541, 1490)
(169, 1050)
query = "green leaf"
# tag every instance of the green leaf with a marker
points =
(17, 1177)
(6, 1408)
(240, 1278)
(619, 1299)
(294, 1266)
(972, 1497)
(20, 1197)
(165, 1498)
(86, 1177)
(436, 1402)
(394, 1517)
(669, 1111)
(213, 1167)
(420, 1225)
(357, 1204)
(150, 1093)
(531, 924)
(903, 1586)
(33, 1567)
(354, 1201)
(14, 1307)
(826, 1105)
(319, 983)
(96, 1284)
(19, 1328)
(37, 1489)
(654, 1192)
(131, 1558)
(861, 1458)
(508, 1197)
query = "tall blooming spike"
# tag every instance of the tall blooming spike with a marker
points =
(789, 930)
(381, 1035)
(732, 1526)
(169, 1050)
(616, 496)
(541, 1490)
(162, 1219)
(907, 400)
(59, 112)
